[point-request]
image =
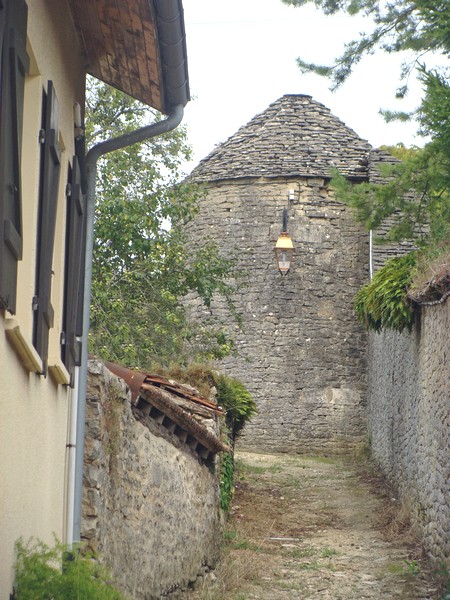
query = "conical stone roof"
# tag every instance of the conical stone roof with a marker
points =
(294, 136)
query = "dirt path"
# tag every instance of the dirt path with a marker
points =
(313, 528)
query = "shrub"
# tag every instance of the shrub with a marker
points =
(382, 303)
(239, 406)
(236, 401)
(226, 481)
(43, 572)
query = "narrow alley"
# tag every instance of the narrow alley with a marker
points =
(304, 527)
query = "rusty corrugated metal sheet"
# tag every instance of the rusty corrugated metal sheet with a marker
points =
(181, 390)
(167, 396)
(135, 380)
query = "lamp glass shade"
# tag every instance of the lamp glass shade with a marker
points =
(284, 251)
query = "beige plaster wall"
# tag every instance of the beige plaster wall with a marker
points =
(34, 410)
(32, 458)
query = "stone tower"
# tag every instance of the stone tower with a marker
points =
(301, 351)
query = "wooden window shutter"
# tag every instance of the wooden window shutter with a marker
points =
(14, 66)
(48, 200)
(74, 271)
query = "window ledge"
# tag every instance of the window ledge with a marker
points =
(24, 349)
(58, 371)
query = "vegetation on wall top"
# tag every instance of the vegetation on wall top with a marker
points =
(430, 282)
(238, 406)
(405, 282)
(231, 394)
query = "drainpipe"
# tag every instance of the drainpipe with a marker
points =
(71, 458)
(128, 139)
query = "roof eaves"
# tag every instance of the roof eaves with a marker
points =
(136, 46)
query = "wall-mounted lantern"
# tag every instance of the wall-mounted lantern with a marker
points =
(284, 248)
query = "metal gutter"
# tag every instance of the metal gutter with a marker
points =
(173, 53)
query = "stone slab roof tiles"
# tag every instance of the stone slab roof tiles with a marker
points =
(294, 136)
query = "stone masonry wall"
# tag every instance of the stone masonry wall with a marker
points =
(409, 420)
(302, 353)
(149, 507)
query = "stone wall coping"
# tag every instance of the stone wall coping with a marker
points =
(172, 405)
(177, 416)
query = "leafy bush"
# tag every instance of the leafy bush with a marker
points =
(43, 572)
(382, 303)
(236, 401)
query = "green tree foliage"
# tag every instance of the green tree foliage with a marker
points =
(415, 198)
(142, 266)
(417, 26)
(43, 572)
(416, 195)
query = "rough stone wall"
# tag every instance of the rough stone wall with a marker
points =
(409, 420)
(149, 507)
(302, 353)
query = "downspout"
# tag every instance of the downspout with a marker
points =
(92, 157)
(71, 458)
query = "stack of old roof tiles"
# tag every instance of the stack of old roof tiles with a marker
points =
(294, 136)
(178, 408)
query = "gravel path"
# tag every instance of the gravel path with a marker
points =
(316, 528)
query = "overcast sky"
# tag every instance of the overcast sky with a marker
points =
(242, 55)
